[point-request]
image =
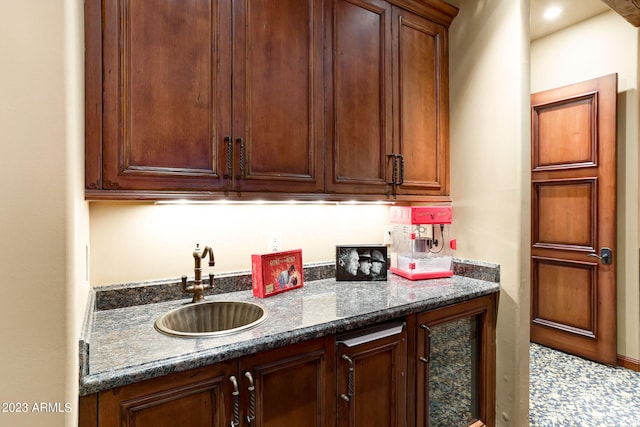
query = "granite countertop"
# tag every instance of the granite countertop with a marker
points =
(121, 346)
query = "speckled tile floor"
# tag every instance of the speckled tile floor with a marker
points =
(569, 391)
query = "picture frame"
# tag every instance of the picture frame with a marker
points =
(276, 272)
(361, 263)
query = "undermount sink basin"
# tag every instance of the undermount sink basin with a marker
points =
(211, 318)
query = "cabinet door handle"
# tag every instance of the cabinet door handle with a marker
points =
(242, 160)
(236, 402)
(397, 174)
(394, 172)
(229, 164)
(252, 399)
(347, 397)
(428, 356)
(372, 334)
(400, 158)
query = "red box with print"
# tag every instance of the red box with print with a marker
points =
(276, 272)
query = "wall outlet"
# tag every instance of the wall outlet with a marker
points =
(274, 242)
(387, 235)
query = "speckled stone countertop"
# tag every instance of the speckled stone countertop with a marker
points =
(120, 346)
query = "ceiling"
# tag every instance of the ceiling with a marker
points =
(573, 11)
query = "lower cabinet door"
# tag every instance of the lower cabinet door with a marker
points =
(189, 399)
(371, 377)
(291, 386)
(455, 365)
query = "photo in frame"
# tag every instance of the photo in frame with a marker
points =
(361, 262)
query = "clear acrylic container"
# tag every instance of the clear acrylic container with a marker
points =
(422, 244)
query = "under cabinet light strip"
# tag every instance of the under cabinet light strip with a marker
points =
(270, 202)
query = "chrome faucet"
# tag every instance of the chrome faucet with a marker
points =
(198, 287)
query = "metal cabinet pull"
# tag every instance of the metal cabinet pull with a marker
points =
(347, 397)
(394, 172)
(397, 174)
(428, 356)
(229, 164)
(252, 399)
(400, 157)
(236, 402)
(242, 160)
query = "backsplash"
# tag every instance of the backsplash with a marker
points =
(140, 293)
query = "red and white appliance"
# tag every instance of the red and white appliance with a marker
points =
(422, 244)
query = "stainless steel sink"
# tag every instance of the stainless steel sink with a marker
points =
(211, 318)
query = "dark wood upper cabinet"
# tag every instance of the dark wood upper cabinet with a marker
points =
(421, 99)
(166, 95)
(360, 121)
(388, 122)
(278, 102)
(202, 98)
(169, 121)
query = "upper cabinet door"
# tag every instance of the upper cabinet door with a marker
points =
(166, 94)
(278, 100)
(359, 104)
(294, 98)
(421, 82)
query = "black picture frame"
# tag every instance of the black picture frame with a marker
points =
(361, 263)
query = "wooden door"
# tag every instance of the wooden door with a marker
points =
(421, 100)
(278, 99)
(573, 215)
(166, 95)
(371, 377)
(293, 385)
(359, 119)
(191, 399)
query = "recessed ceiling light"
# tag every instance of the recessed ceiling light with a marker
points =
(552, 13)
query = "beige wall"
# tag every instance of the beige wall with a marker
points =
(603, 45)
(141, 241)
(489, 78)
(43, 220)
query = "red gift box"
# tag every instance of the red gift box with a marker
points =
(276, 272)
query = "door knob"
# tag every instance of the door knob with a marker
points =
(604, 257)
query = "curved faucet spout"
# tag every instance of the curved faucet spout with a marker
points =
(199, 254)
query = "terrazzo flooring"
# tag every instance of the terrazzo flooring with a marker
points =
(569, 391)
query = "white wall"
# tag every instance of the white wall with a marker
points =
(140, 241)
(43, 219)
(489, 80)
(599, 46)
